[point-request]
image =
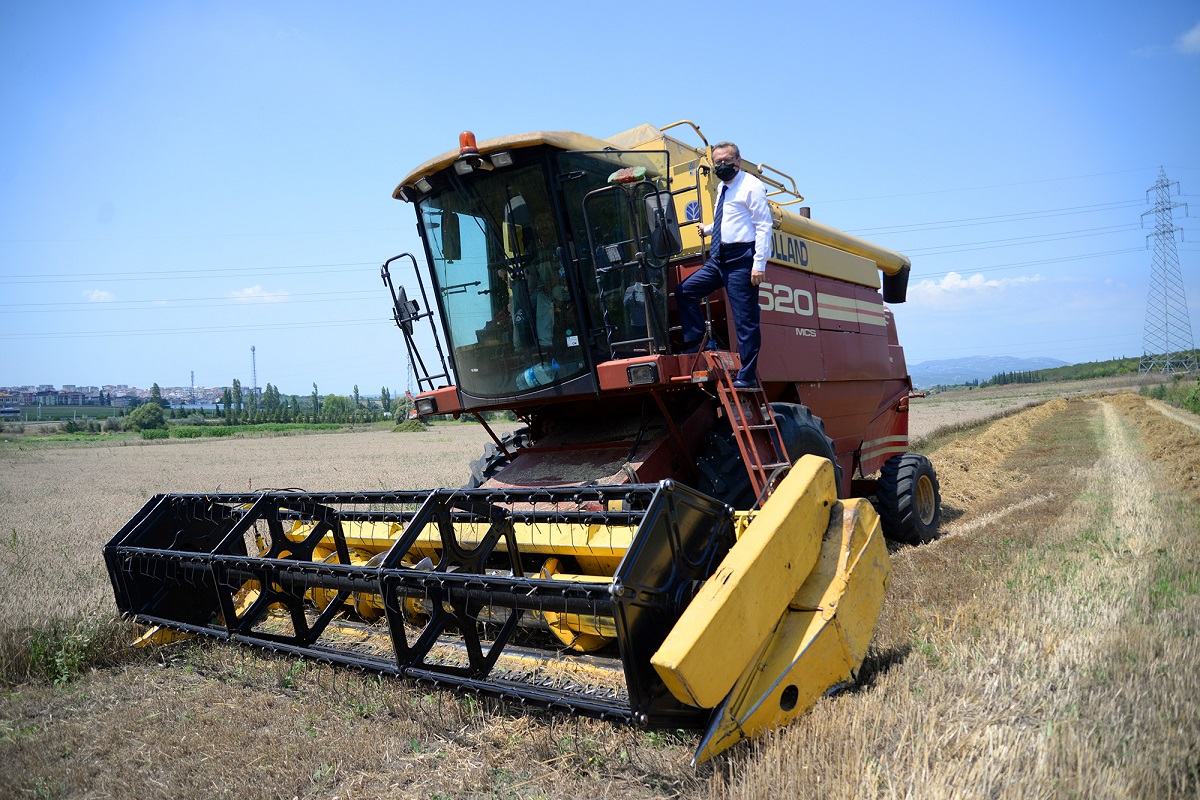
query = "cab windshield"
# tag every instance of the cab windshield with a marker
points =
(501, 274)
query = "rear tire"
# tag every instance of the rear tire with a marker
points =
(909, 499)
(493, 459)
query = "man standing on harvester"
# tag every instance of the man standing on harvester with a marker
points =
(741, 242)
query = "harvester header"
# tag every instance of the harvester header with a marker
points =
(449, 587)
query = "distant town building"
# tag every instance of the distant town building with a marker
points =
(117, 395)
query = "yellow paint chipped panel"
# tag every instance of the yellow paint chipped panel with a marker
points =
(820, 640)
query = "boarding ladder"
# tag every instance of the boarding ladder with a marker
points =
(753, 424)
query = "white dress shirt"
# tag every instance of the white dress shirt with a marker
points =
(746, 217)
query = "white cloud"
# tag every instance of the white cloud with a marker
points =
(1189, 43)
(99, 296)
(257, 294)
(954, 289)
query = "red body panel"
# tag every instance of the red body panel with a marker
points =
(831, 345)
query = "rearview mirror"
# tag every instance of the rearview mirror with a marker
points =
(663, 223)
(406, 311)
(451, 237)
(517, 223)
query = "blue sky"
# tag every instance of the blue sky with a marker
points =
(182, 180)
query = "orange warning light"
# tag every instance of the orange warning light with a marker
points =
(466, 144)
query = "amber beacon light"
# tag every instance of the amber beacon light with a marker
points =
(466, 144)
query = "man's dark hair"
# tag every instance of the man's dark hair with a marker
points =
(728, 146)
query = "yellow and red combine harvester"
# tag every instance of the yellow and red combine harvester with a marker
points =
(653, 544)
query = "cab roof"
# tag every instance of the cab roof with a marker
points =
(566, 140)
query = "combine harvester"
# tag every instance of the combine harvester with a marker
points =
(653, 544)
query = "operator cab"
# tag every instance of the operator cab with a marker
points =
(545, 263)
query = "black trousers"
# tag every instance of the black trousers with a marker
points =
(729, 268)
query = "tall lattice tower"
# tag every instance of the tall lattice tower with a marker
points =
(253, 378)
(1167, 343)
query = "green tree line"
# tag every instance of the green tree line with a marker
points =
(241, 407)
(1070, 372)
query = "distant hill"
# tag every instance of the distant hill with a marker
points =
(954, 371)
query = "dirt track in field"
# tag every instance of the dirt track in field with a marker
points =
(1047, 644)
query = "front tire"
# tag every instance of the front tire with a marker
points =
(804, 435)
(909, 499)
(493, 459)
(721, 472)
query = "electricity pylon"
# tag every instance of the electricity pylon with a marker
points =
(1167, 343)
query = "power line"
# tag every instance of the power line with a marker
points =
(991, 244)
(87, 277)
(178, 236)
(996, 219)
(90, 277)
(1019, 264)
(284, 298)
(307, 324)
(981, 188)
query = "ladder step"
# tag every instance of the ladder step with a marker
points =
(750, 418)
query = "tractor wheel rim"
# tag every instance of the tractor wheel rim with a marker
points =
(925, 502)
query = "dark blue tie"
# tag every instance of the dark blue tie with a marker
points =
(715, 246)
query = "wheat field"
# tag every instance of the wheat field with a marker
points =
(1045, 645)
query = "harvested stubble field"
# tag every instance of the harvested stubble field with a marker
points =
(1045, 645)
(946, 412)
